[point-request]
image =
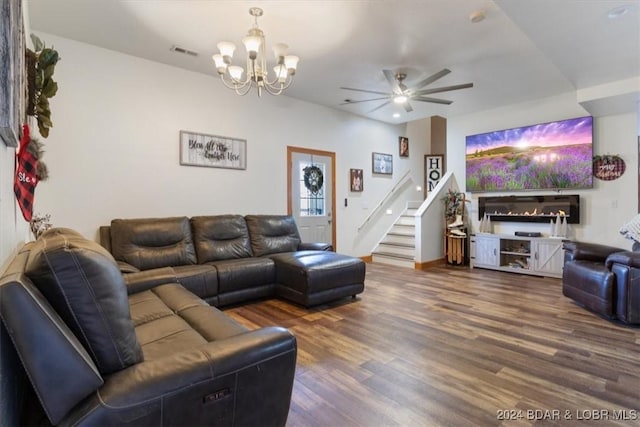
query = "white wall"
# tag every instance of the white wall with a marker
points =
(113, 150)
(604, 208)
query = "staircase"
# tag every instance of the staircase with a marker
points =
(398, 245)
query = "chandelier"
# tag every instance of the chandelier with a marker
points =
(257, 74)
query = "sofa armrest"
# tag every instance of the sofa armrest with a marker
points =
(105, 236)
(315, 246)
(126, 268)
(143, 280)
(588, 251)
(202, 385)
(628, 258)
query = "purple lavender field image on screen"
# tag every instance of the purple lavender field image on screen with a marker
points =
(555, 155)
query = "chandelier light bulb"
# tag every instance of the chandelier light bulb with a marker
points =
(280, 51)
(291, 63)
(221, 66)
(226, 49)
(235, 72)
(252, 45)
(281, 72)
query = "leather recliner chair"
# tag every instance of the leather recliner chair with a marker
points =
(603, 279)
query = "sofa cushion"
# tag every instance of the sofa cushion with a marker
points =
(168, 319)
(220, 237)
(271, 234)
(147, 243)
(81, 281)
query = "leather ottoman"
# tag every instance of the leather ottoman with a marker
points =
(315, 277)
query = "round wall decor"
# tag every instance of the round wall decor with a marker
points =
(608, 167)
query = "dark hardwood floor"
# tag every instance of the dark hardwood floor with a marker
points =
(456, 347)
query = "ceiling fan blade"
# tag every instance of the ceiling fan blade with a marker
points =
(367, 91)
(379, 106)
(432, 78)
(433, 100)
(443, 89)
(407, 107)
(364, 100)
(391, 78)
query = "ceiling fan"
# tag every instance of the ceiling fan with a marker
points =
(401, 94)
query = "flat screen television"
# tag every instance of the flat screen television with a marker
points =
(547, 156)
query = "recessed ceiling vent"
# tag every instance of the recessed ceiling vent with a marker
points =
(179, 49)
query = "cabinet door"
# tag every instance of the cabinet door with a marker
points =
(548, 257)
(486, 251)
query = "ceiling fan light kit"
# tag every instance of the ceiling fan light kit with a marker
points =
(257, 73)
(401, 94)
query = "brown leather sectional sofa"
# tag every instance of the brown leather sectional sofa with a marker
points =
(80, 346)
(131, 339)
(228, 259)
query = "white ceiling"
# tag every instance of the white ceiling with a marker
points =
(524, 50)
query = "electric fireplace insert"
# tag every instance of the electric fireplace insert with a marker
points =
(530, 208)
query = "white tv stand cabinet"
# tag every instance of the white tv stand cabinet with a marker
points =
(540, 256)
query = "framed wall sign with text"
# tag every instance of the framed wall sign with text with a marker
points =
(433, 171)
(214, 151)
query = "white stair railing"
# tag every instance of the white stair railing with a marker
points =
(386, 198)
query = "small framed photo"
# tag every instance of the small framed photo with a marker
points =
(382, 163)
(356, 178)
(403, 143)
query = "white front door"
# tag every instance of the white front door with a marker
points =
(311, 195)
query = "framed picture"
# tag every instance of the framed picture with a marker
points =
(433, 171)
(356, 178)
(382, 163)
(12, 72)
(403, 143)
(213, 151)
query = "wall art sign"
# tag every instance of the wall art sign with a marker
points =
(608, 167)
(433, 171)
(214, 151)
(12, 72)
(382, 163)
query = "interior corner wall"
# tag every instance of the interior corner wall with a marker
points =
(604, 208)
(113, 149)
